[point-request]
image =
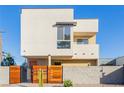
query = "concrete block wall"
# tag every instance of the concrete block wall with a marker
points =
(94, 74)
(4, 75)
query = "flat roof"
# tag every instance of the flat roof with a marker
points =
(63, 8)
(85, 18)
(46, 8)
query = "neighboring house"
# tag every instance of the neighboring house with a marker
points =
(119, 61)
(106, 61)
(54, 37)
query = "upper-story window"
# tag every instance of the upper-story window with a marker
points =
(63, 37)
(82, 41)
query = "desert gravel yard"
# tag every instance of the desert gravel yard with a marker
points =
(61, 85)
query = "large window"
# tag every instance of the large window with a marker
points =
(63, 37)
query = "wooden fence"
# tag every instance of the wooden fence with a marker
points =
(51, 74)
(15, 74)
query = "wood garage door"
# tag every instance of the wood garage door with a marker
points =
(35, 70)
(14, 74)
(55, 74)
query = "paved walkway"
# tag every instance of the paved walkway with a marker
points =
(60, 85)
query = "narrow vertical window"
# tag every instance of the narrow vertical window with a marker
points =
(60, 33)
(67, 33)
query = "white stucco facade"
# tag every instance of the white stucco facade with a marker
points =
(39, 34)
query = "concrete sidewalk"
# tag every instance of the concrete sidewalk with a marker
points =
(99, 85)
(30, 85)
(61, 85)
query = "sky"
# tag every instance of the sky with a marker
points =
(110, 36)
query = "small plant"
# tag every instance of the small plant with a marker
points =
(68, 83)
(40, 77)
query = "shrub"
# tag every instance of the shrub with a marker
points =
(68, 83)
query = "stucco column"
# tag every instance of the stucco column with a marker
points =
(49, 60)
(98, 62)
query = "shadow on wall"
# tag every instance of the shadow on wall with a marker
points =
(114, 77)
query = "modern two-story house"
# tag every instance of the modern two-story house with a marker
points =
(54, 37)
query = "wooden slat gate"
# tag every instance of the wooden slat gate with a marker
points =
(55, 74)
(15, 74)
(35, 70)
(51, 74)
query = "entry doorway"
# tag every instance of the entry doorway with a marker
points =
(57, 63)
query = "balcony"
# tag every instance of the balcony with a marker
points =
(85, 51)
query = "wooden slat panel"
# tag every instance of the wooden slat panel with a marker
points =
(14, 74)
(35, 70)
(55, 74)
